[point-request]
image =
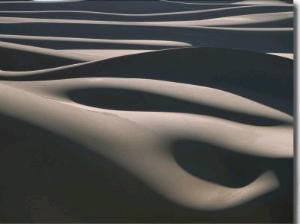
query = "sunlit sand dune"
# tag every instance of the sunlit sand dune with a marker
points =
(154, 111)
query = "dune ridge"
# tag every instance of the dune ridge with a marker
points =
(268, 39)
(155, 111)
(201, 14)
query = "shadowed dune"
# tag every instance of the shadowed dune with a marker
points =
(256, 40)
(32, 58)
(231, 70)
(205, 161)
(146, 111)
(173, 16)
(89, 43)
(132, 100)
(110, 7)
(62, 192)
(54, 173)
(266, 21)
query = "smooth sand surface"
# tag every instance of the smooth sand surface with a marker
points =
(156, 111)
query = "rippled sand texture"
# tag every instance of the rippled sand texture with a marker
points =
(154, 111)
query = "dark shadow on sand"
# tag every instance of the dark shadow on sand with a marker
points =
(266, 79)
(133, 100)
(233, 11)
(254, 40)
(110, 6)
(220, 165)
(48, 176)
(20, 60)
(84, 44)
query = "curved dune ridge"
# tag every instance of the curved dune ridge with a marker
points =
(154, 111)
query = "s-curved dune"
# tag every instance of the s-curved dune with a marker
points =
(156, 111)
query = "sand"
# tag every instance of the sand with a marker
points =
(155, 111)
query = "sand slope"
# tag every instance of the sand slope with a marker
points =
(154, 111)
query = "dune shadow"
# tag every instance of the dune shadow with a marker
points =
(109, 6)
(134, 100)
(254, 40)
(271, 24)
(233, 169)
(220, 165)
(20, 60)
(187, 15)
(48, 178)
(266, 79)
(84, 44)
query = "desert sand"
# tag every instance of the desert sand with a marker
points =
(146, 111)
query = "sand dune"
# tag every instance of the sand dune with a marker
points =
(156, 111)
(242, 2)
(223, 21)
(266, 39)
(128, 7)
(83, 43)
(181, 15)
